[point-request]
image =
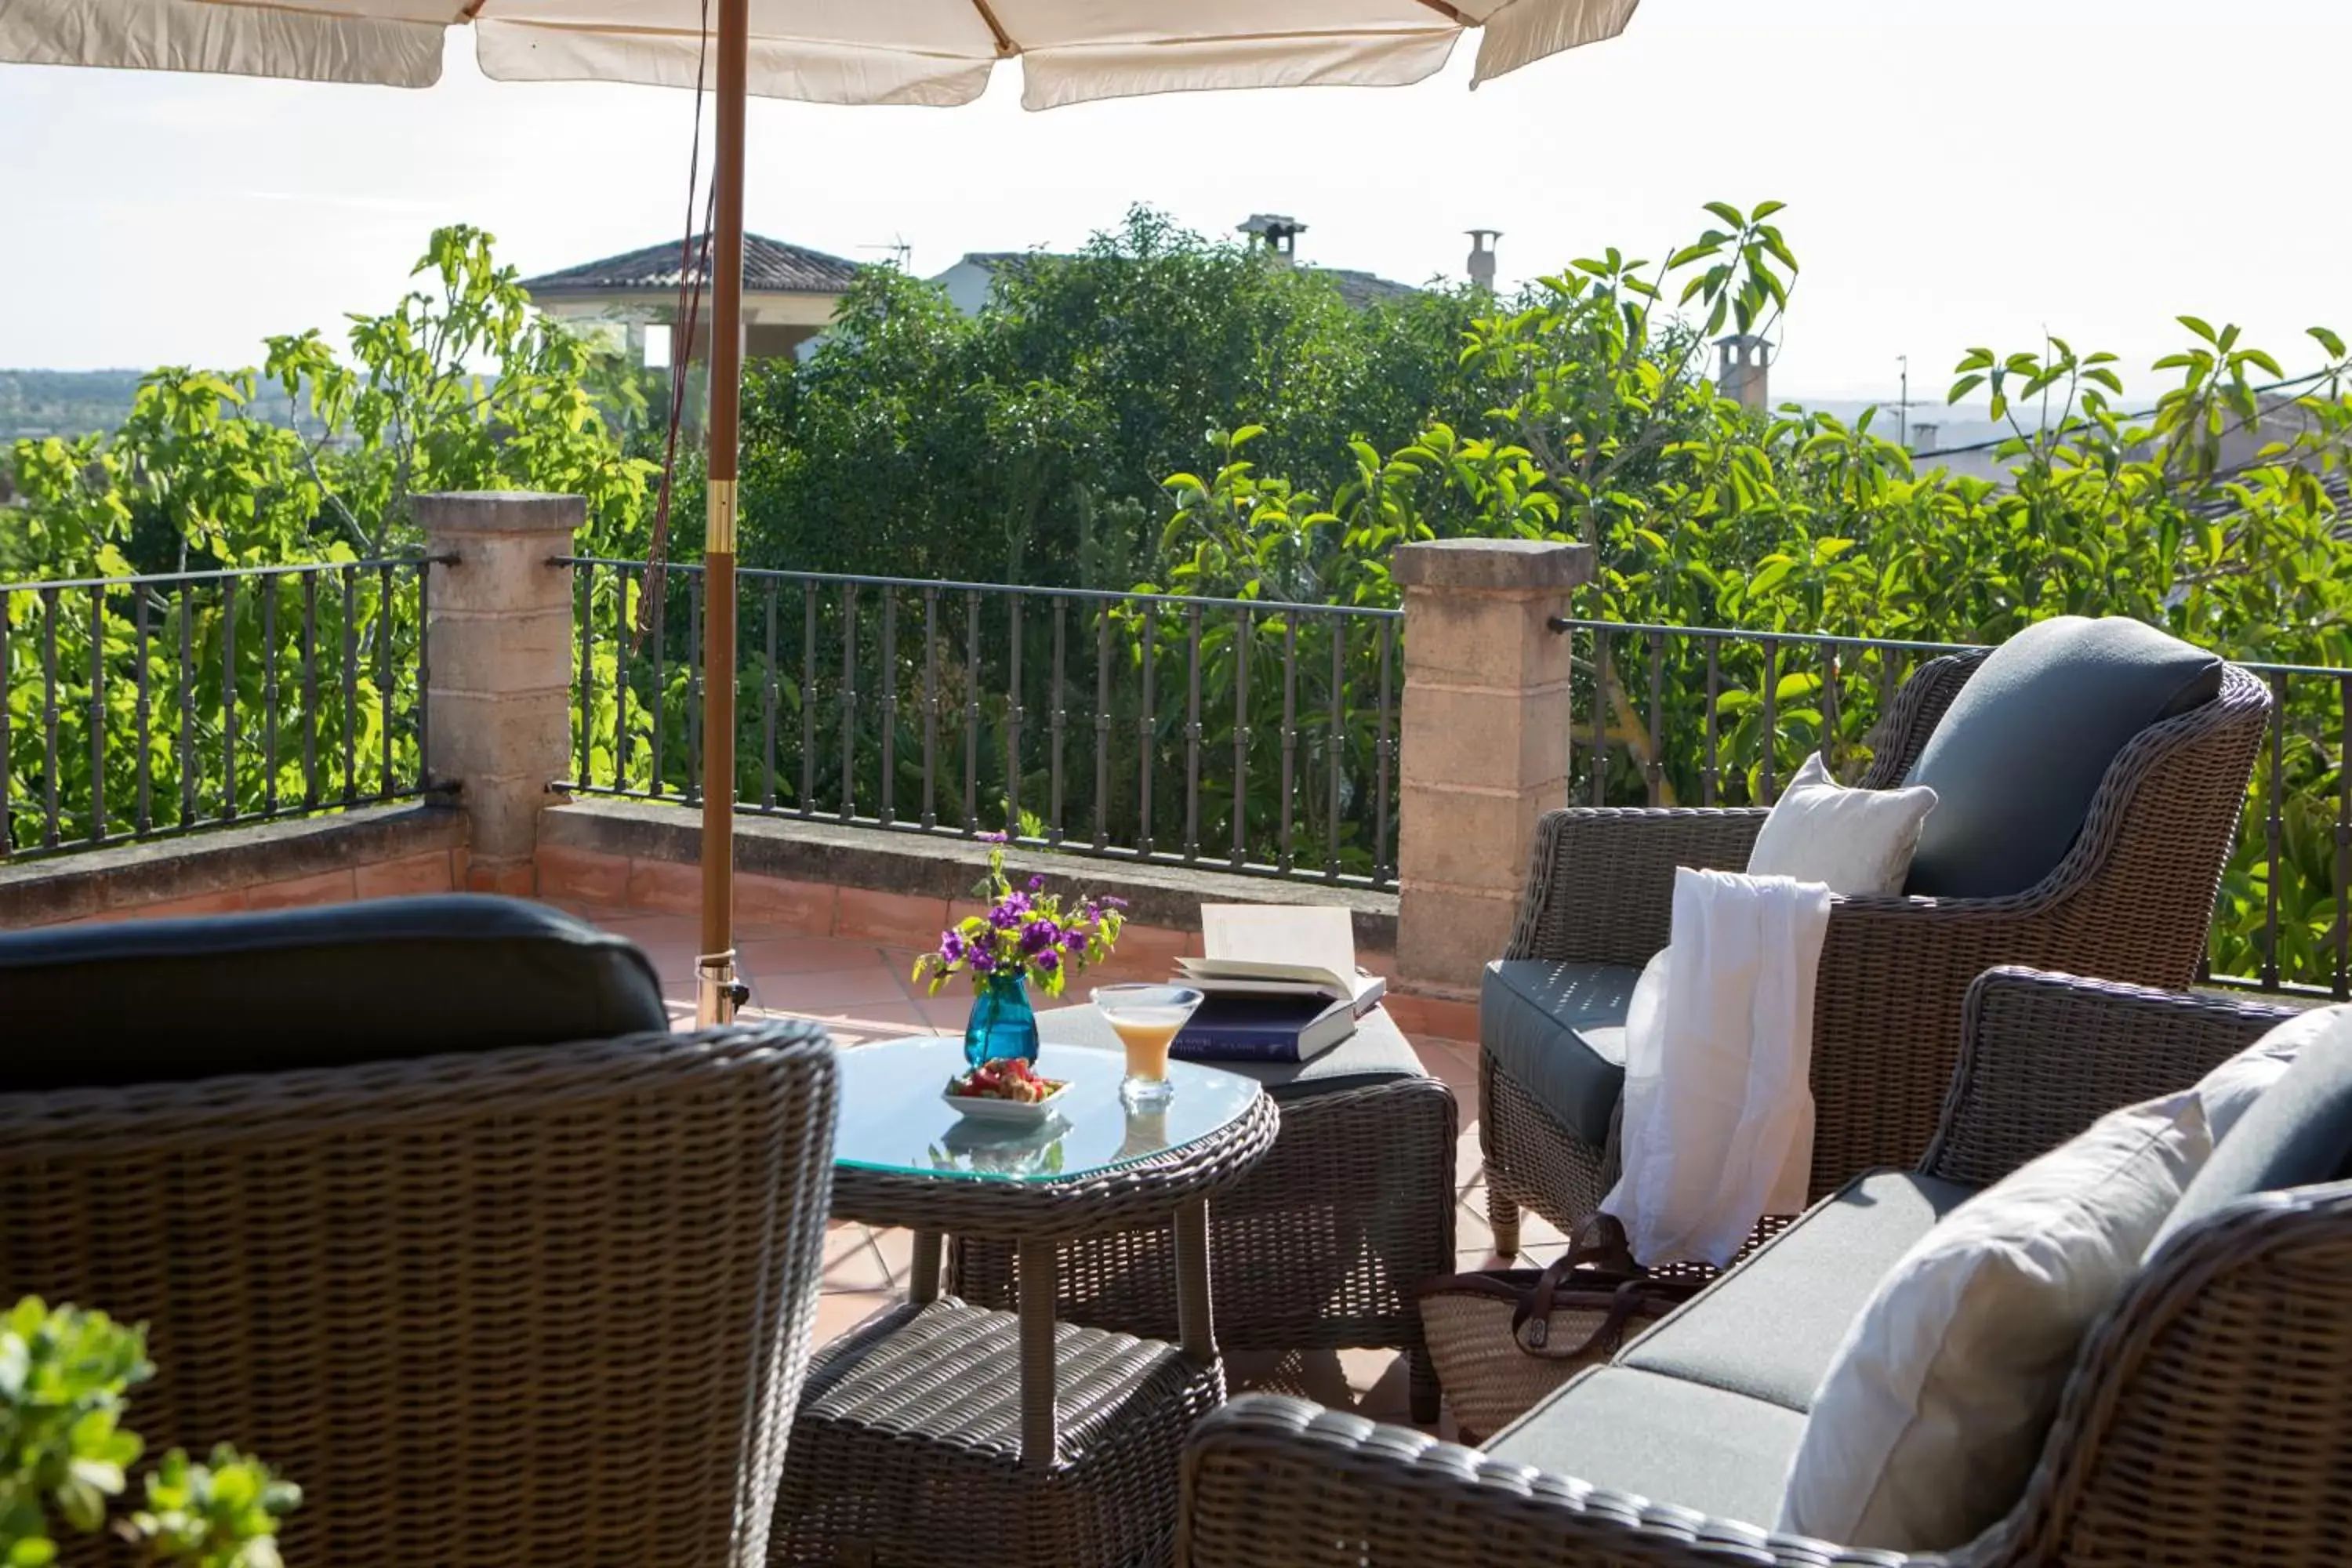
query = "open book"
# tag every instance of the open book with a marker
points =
(1281, 950)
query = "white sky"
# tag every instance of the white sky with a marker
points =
(1956, 173)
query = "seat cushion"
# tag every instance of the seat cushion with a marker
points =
(2021, 752)
(1661, 1438)
(169, 1001)
(1770, 1327)
(1558, 1029)
(2298, 1132)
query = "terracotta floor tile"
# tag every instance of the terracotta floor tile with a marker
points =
(827, 990)
(837, 1312)
(758, 956)
(855, 1264)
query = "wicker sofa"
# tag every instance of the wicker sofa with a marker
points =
(2130, 901)
(2203, 1422)
(422, 1202)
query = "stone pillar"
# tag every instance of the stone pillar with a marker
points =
(499, 638)
(1484, 741)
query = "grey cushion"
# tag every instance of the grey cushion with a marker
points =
(169, 1001)
(1770, 1327)
(2297, 1132)
(1558, 1029)
(2021, 750)
(1664, 1439)
(1377, 1052)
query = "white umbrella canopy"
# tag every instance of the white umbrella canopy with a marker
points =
(937, 52)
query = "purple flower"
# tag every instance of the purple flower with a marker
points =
(1111, 903)
(980, 963)
(1047, 964)
(1075, 942)
(996, 838)
(1037, 882)
(1039, 935)
(951, 946)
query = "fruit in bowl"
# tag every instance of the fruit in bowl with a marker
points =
(1005, 1078)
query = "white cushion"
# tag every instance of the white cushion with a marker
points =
(2234, 1086)
(1932, 1416)
(1856, 840)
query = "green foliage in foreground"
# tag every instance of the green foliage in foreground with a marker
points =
(65, 1457)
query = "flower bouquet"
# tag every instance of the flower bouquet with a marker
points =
(1028, 936)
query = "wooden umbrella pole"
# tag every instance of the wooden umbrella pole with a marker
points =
(717, 992)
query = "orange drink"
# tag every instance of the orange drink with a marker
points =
(1147, 1019)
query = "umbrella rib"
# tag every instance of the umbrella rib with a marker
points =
(1005, 48)
(1450, 13)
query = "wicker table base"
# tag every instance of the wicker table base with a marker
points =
(911, 1424)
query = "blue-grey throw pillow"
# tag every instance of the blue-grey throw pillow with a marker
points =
(2021, 752)
(2298, 1132)
(174, 1000)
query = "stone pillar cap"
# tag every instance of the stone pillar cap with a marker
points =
(1491, 563)
(500, 511)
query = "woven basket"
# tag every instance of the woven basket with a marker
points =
(1501, 1338)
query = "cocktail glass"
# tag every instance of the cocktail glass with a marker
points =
(1146, 1019)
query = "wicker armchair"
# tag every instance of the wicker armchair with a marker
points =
(2131, 900)
(540, 1304)
(2202, 1422)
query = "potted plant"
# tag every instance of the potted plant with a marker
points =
(1028, 936)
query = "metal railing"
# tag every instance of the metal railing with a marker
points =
(138, 708)
(1230, 733)
(1688, 715)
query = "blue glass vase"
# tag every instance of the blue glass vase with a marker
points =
(1003, 1022)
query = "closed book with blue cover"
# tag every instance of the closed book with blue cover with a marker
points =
(1246, 1028)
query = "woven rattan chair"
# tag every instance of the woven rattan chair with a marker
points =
(543, 1304)
(2203, 1422)
(2131, 900)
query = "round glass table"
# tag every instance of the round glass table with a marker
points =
(1021, 1438)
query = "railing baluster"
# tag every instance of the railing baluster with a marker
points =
(1384, 751)
(187, 704)
(972, 714)
(1242, 636)
(1335, 746)
(144, 771)
(1283, 846)
(1102, 728)
(2272, 823)
(1771, 789)
(1712, 777)
(351, 684)
(1829, 707)
(769, 691)
(1192, 734)
(694, 686)
(269, 691)
(1146, 725)
(229, 699)
(97, 714)
(808, 697)
(1014, 712)
(624, 634)
(310, 691)
(2342, 986)
(49, 718)
(848, 702)
(887, 812)
(1654, 766)
(384, 687)
(930, 708)
(587, 671)
(657, 756)
(424, 675)
(1599, 716)
(1056, 719)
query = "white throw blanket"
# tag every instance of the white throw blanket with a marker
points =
(1719, 1107)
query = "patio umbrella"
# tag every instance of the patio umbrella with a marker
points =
(939, 52)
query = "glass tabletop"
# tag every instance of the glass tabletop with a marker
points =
(893, 1119)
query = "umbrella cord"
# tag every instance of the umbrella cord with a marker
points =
(692, 268)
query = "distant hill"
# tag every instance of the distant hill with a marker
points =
(38, 403)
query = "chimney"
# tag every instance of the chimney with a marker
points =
(1743, 375)
(1276, 233)
(1922, 437)
(1481, 258)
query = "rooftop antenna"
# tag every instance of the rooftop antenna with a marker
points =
(900, 251)
(1903, 407)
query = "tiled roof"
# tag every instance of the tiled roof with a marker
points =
(769, 267)
(1363, 288)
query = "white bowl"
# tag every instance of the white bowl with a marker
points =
(1013, 1112)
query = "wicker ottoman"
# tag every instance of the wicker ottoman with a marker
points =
(1320, 1246)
